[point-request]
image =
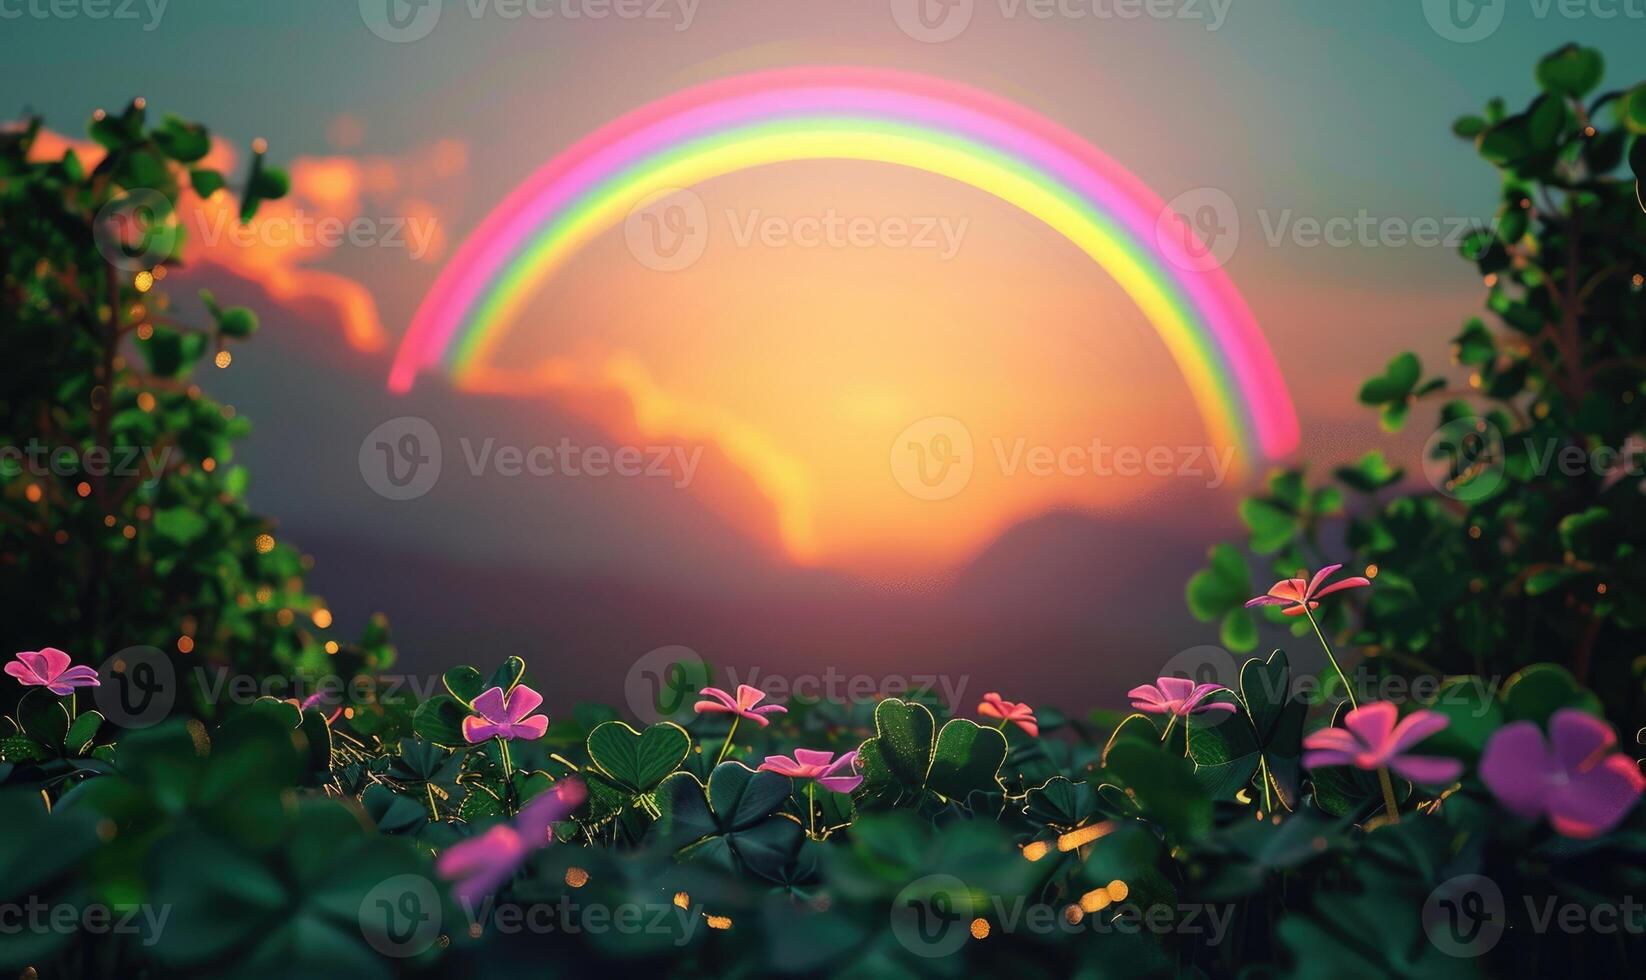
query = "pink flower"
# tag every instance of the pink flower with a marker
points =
(504, 715)
(1016, 712)
(316, 700)
(1296, 594)
(1370, 739)
(479, 865)
(839, 775)
(743, 706)
(1176, 696)
(1574, 778)
(49, 668)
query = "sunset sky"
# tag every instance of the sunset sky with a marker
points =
(793, 369)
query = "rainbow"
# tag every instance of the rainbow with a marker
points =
(885, 116)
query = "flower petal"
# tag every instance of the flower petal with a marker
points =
(782, 765)
(1373, 724)
(546, 808)
(491, 705)
(1580, 740)
(1324, 757)
(1597, 799)
(1319, 577)
(813, 757)
(748, 696)
(725, 701)
(529, 728)
(1353, 582)
(1414, 728)
(56, 661)
(1518, 768)
(1429, 769)
(1333, 739)
(1267, 600)
(23, 674)
(522, 701)
(477, 729)
(1175, 689)
(840, 784)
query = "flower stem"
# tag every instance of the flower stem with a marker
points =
(1389, 804)
(1166, 735)
(728, 744)
(1347, 687)
(811, 808)
(508, 767)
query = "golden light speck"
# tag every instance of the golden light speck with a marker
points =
(1371, 571)
(128, 532)
(1491, 280)
(264, 543)
(159, 273)
(1474, 531)
(331, 647)
(228, 411)
(185, 644)
(260, 145)
(83, 489)
(137, 312)
(145, 401)
(1590, 131)
(1118, 890)
(208, 464)
(322, 618)
(1083, 835)
(682, 900)
(1073, 914)
(1475, 380)
(141, 103)
(223, 359)
(980, 928)
(576, 877)
(145, 331)
(265, 593)
(1095, 900)
(475, 930)
(143, 281)
(284, 617)
(1638, 281)
(1036, 850)
(1601, 589)
(33, 493)
(99, 115)
(1541, 410)
(143, 512)
(718, 921)
(108, 520)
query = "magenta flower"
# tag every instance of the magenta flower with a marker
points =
(503, 716)
(49, 668)
(1298, 594)
(743, 706)
(1370, 739)
(479, 865)
(1016, 712)
(1574, 778)
(1176, 696)
(839, 775)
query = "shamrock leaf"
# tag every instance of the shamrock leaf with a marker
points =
(904, 760)
(733, 822)
(1220, 591)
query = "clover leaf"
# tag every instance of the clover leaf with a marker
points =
(905, 760)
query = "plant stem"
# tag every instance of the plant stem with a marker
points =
(728, 744)
(1347, 687)
(1263, 767)
(508, 768)
(811, 808)
(1389, 805)
(1167, 734)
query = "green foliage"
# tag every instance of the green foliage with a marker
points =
(128, 526)
(1517, 542)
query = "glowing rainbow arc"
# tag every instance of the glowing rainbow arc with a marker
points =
(844, 113)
